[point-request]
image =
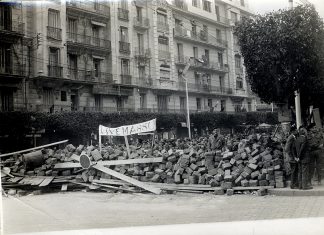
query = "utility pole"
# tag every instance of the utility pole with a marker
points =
(297, 94)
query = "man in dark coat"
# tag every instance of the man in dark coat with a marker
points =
(315, 139)
(302, 157)
(291, 157)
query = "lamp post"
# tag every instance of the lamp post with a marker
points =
(183, 74)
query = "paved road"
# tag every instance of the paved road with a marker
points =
(81, 210)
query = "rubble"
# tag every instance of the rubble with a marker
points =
(254, 163)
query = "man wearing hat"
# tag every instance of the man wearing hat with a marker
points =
(291, 157)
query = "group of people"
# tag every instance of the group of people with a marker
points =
(304, 150)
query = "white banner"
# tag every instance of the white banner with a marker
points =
(128, 130)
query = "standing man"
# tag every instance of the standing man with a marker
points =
(302, 157)
(316, 151)
(291, 157)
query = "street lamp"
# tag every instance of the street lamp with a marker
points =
(183, 75)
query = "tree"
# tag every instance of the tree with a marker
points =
(283, 52)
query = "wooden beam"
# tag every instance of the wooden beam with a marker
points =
(47, 181)
(251, 188)
(32, 149)
(128, 179)
(65, 165)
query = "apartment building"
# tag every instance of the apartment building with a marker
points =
(123, 56)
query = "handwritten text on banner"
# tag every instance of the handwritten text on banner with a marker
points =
(129, 130)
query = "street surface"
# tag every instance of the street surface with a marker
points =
(81, 210)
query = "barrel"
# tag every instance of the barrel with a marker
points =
(33, 160)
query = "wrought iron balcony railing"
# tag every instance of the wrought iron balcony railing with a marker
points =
(13, 69)
(55, 71)
(12, 26)
(124, 47)
(126, 79)
(54, 33)
(123, 14)
(94, 7)
(88, 40)
(141, 22)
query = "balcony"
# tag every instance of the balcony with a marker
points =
(54, 33)
(201, 37)
(141, 22)
(144, 82)
(142, 53)
(164, 55)
(11, 28)
(55, 71)
(124, 47)
(90, 76)
(123, 14)
(181, 4)
(181, 60)
(92, 8)
(204, 88)
(126, 79)
(223, 20)
(163, 27)
(12, 70)
(81, 40)
(239, 71)
(105, 89)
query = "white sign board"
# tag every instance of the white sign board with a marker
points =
(148, 126)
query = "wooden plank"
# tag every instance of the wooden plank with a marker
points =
(31, 149)
(252, 188)
(111, 182)
(128, 179)
(181, 185)
(113, 187)
(37, 180)
(47, 181)
(15, 179)
(111, 163)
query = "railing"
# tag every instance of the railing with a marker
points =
(111, 90)
(13, 69)
(141, 52)
(124, 47)
(12, 26)
(126, 79)
(55, 71)
(123, 14)
(90, 6)
(90, 76)
(181, 4)
(200, 87)
(163, 55)
(55, 33)
(182, 60)
(143, 82)
(141, 22)
(88, 40)
(202, 36)
(223, 20)
(163, 26)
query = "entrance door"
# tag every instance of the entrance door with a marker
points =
(48, 99)
(74, 100)
(162, 103)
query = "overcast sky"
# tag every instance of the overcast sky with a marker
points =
(262, 6)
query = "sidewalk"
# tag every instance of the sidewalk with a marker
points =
(316, 191)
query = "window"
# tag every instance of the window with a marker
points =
(194, 29)
(53, 18)
(96, 5)
(163, 43)
(182, 103)
(6, 99)
(237, 61)
(5, 17)
(218, 34)
(54, 56)
(177, 23)
(48, 98)
(162, 103)
(96, 67)
(139, 13)
(95, 31)
(195, 52)
(221, 82)
(140, 43)
(239, 83)
(206, 5)
(235, 39)
(142, 101)
(73, 66)
(5, 58)
(63, 96)
(234, 17)
(98, 102)
(198, 102)
(125, 67)
(242, 3)
(205, 29)
(195, 3)
(220, 59)
(180, 52)
(72, 28)
(162, 19)
(123, 4)
(206, 59)
(123, 34)
(223, 105)
(217, 13)
(210, 103)
(141, 72)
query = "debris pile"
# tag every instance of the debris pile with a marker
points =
(253, 163)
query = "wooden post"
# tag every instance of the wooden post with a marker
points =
(100, 143)
(127, 145)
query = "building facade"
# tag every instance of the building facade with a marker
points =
(79, 55)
